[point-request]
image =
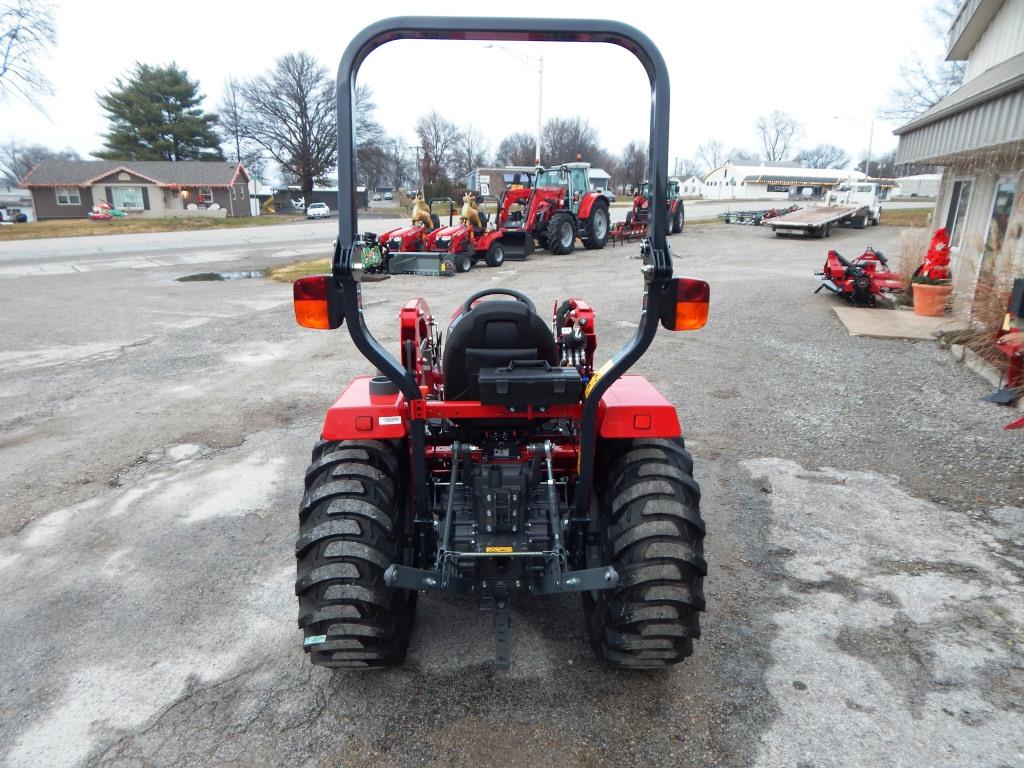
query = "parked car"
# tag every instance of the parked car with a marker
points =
(317, 211)
(609, 194)
(388, 196)
(376, 197)
(15, 217)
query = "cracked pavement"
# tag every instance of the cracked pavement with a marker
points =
(865, 517)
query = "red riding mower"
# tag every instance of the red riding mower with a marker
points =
(410, 250)
(471, 240)
(860, 281)
(500, 462)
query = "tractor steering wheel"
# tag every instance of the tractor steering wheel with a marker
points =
(501, 292)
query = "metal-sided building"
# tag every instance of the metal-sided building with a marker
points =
(977, 135)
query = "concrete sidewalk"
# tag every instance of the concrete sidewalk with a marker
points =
(893, 324)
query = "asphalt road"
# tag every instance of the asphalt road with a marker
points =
(865, 514)
(289, 241)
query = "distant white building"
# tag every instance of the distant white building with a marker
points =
(691, 186)
(600, 178)
(919, 185)
(15, 201)
(772, 182)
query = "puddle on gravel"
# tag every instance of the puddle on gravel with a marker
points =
(200, 277)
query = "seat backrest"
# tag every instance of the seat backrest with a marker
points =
(492, 334)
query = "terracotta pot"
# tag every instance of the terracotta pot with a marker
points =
(931, 300)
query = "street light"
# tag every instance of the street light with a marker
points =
(537, 67)
(871, 139)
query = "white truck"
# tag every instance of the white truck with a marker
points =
(852, 204)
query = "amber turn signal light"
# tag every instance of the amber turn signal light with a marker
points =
(318, 302)
(685, 304)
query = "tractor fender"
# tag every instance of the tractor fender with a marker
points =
(588, 201)
(357, 414)
(482, 243)
(632, 407)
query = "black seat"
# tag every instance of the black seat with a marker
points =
(492, 334)
(483, 223)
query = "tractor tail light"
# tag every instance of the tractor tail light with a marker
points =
(685, 305)
(318, 302)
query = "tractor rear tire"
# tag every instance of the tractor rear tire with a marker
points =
(678, 220)
(654, 537)
(561, 234)
(351, 525)
(597, 227)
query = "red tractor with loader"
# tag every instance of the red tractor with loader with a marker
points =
(500, 461)
(639, 216)
(557, 209)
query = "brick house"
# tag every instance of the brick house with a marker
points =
(68, 189)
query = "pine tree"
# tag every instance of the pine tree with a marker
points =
(155, 115)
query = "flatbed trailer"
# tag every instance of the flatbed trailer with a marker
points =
(818, 221)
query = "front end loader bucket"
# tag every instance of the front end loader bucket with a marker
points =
(518, 245)
(419, 263)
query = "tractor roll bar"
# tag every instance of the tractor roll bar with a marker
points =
(657, 261)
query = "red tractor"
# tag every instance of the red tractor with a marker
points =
(502, 462)
(861, 280)
(468, 242)
(557, 209)
(639, 216)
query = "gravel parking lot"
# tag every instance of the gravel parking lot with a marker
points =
(865, 517)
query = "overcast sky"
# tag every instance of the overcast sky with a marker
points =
(729, 61)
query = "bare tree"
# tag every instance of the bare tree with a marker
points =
(397, 158)
(565, 138)
(777, 132)
(231, 113)
(438, 137)
(711, 153)
(924, 84)
(290, 113)
(884, 167)
(27, 32)
(516, 149)
(632, 165)
(685, 167)
(16, 160)
(823, 156)
(371, 155)
(471, 151)
(742, 156)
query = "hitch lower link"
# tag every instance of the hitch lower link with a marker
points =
(556, 579)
